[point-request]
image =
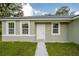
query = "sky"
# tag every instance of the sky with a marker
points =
(45, 8)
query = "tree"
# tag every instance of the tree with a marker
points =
(63, 10)
(10, 10)
(73, 13)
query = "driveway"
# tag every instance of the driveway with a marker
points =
(41, 49)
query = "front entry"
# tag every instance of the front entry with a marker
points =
(40, 31)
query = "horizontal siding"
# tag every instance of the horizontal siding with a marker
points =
(74, 31)
(57, 38)
(18, 38)
(17, 27)
(49, 38)
(3, 27)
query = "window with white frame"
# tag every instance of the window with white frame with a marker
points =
(25, 28)
(55, 28)
(11, 28)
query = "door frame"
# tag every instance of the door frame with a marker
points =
(44, 31)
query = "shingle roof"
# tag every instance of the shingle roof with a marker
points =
(52, 17)
(32, 17)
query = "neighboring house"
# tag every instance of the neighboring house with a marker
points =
(45, 28)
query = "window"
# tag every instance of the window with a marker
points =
(11, 28)
(25, 28)
(55, 28)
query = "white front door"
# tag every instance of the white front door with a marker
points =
(40, 31)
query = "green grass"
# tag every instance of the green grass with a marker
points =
(28, 48)
(62, 49)
(17, 48)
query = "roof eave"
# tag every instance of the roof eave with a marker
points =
(37, 19)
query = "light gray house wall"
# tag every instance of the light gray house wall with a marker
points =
(69, 28)
(3, 28)
(74, 31)
(49, 37)
(57, 38)
(18, 36)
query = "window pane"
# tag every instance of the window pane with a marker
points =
(24, 28)
(11, 25)
(25, 31)
(55, 25)
(11, 31)
(55, 30)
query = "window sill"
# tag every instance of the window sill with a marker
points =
(55, 34)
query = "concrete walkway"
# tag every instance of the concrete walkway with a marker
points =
(41, 49)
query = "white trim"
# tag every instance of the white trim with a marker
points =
(58, 29)
(39, 18)
(19, 35)
(7, 31)
(45, 32)
(28, 27)
(21, 22)
(20, 27)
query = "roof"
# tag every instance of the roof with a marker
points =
(28, 17)
(53, 17)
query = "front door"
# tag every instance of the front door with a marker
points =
(40, 31)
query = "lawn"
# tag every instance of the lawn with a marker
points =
(16, 48)
(62, 49)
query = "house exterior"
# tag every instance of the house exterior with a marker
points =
(44, 28)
